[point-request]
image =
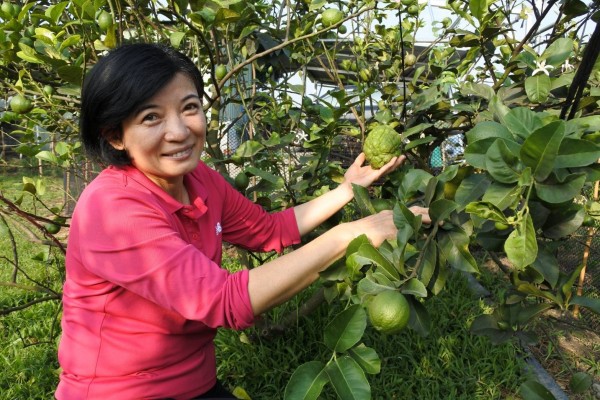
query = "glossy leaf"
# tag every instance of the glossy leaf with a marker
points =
(454, 245)
(307, 382)
(501, 163)
(414, 287)
(361, 198)
(522, 122)
(521, 246)
(348, 379)
(367, 358)
(441, 209)
(576, 153)
(564, 221)
(369, 252)
(471, 189)
(488, 130)
(590, 303)
(547, 265)
(540, 149)
(533, 390)
(562, 191)
(419, 319)
(538, 87)
(501, 195)
(558, 52)
(346, 329)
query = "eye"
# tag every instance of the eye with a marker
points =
(149, 117)
(192, 106)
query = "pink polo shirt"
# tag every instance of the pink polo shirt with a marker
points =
(145, 292)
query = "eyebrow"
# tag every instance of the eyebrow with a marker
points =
(147, 106)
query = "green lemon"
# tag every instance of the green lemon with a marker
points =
(388, 311)
(105, 20)
(220, 71)
(241, 181)
(381, 145)
(20, 104)
(410, 60)
(49, 90)
(331, 16)
(342, 29)
(52, 228)
(413, 10)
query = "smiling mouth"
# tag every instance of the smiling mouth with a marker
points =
(180, 154)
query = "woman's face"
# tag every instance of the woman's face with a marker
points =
(166, 136)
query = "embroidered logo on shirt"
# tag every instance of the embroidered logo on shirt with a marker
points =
(218, 229)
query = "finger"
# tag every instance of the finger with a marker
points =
(360, 160)
(394, 163)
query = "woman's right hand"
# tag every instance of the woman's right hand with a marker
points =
(380, 227)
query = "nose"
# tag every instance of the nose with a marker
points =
(176, 128)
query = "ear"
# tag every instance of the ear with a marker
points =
(113, 137)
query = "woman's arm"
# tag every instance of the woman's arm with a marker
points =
(277, 281)
(313, 213)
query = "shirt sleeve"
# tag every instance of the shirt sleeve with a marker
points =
(250, 226)
(124, 237)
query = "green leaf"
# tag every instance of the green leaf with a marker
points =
(590, 303)
(414, 287)
(175, 38)
(307, 382)
(522, 122)
(346, 329)
(501, 163)
(367, 286)
(538, 88)
(477, 89)
(478, 8)
(540, 149)
(426, 270)
(533, 390)
(563, 191)
(404, 220)
(558, 52)
(521, 246)
(249, 148)
(454, 245)
(441, 209)
(487, 325)
(502, 196)
(470, 189)
(576, 153)
(528, 312)
(419, 319)
(547, 265)
(46, 155)
(348, 379)
(564, 221)
(580, 382)
(369, 252)
(367, 358)
(485, 210)
(71, 74)
(567, 288)
(476, 152)
(487, 130)
(362, 200)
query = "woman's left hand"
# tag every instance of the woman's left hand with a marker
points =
(365, 175)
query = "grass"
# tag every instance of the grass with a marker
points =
(450, 363)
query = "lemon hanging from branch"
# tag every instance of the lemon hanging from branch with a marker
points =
(381, 145)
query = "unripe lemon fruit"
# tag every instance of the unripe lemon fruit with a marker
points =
(410, 60)
(220, 72)
(105, 20)
(388, 311)
(331, 16)
(241, 181)
(20, 104)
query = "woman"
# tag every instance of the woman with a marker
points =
(144, 292)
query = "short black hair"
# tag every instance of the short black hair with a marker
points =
(117, 85)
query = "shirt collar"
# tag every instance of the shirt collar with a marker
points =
(196, 191)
